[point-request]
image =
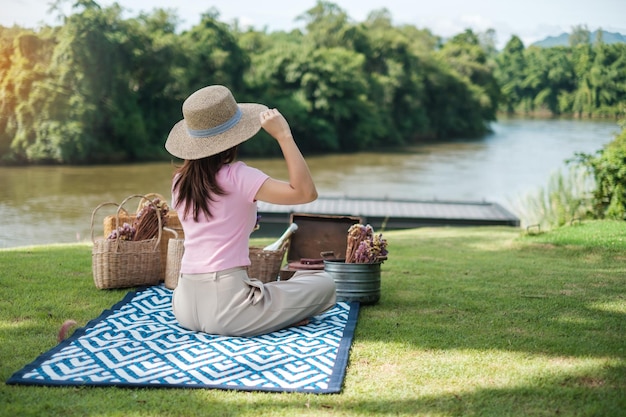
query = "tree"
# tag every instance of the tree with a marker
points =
(95, 116)
(510, 69)
(607, 79)
(394, 65)
(583, 102)
(488, 40)
(580, 36)
(599, 40)
(154, 77)
(559, 82)
(23, 58)
(211, 55)
(467, 61)
(326, 24)
(87, 95)
(100, 88)
(601, 87)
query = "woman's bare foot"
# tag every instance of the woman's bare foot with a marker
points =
(301, 323)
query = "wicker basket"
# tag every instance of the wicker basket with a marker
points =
(175, 250)
(171, 222)
(265, 264)
(120, 263)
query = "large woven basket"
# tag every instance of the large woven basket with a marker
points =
(175, 250)
(265, 264)
(120, 263)
(171, 222)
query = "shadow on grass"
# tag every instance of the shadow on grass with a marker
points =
(459, 293)
(566, 395)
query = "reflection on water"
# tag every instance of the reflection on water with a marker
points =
(54, 204)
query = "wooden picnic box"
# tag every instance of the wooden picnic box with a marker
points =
(316, 234)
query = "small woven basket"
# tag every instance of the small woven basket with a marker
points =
(265, 264)
(118, 263)
(175, 250)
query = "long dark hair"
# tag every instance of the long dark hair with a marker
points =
(196, 185)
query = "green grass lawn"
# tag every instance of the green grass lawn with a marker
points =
(472, 321)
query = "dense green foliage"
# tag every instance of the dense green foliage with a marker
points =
(582, 80)
(608, 168)
(103, 88)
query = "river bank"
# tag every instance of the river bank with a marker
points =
(53, 204)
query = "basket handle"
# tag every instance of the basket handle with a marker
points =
(130, 197)
(172, 231)
(149, 197)
(93, 216)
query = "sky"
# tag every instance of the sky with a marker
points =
(531, 20)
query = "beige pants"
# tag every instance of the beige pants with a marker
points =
(229, 303)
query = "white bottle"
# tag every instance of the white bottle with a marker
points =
(281, 240)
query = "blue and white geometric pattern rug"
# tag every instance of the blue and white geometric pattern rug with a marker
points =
(138, 343)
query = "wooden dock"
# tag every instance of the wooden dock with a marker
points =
(388, 214)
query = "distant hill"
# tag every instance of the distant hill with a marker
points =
(563, 39)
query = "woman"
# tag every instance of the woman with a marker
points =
(215, 198)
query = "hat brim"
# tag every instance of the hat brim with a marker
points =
(184, 146)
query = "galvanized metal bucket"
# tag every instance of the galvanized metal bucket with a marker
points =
(355, 282)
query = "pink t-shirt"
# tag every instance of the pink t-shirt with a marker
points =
(221, 242)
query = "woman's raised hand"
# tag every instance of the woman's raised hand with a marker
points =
(275, 124)
(300, 188)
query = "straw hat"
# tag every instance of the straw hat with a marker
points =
(213, 122)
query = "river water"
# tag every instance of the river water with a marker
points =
(40, 205)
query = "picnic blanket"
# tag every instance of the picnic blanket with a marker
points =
(138, 343)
